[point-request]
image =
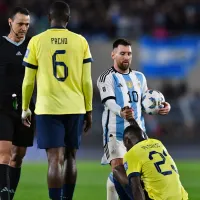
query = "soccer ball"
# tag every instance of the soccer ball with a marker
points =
(152, 101)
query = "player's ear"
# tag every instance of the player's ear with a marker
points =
(113, 54)
(9, 22)
(68, 18)
(49, 18)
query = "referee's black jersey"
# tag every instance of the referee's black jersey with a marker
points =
(11, 70)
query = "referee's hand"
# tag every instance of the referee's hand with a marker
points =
(88, 121)
(26, 117)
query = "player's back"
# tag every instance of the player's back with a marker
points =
(158, 171)
(60, 54)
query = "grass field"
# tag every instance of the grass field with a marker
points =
(92, 179)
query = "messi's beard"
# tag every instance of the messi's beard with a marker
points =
(123, 66)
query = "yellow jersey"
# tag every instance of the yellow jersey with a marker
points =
(150, 160)
(61, 61)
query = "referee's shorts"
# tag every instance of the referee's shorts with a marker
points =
(12, 129)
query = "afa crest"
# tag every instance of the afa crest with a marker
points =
(129, 84)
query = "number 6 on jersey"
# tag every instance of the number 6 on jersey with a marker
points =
(57, 64)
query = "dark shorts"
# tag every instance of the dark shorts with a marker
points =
(12, 129)
(55, 131)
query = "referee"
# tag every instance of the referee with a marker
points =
(14, 136)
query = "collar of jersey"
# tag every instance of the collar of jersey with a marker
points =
(133, 147)
(57, 27)
(15, 43)
(121, 73)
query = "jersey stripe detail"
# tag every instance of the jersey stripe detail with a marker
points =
(143, 123)
(106, 150)
(107, 98)
(120, 126)
(133, 95)
(29, 65)
(87, 60)
(103, 74)
(106, 127)
(102, 78)
(140, 79)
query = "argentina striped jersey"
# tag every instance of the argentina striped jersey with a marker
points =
(126, 90)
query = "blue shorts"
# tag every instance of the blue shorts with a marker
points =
(55, 131)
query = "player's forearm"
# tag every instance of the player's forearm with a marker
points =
(136, 187)
(28, 87)
(87, 86)
(113, 106)
(137, 192)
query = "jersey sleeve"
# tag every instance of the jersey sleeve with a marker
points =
(87, 54)
(30, 59)
(87, 86)
(132, 164)
(28, 87)
(144, 84)
(106, 87)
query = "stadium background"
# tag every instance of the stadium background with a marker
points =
(165, 36)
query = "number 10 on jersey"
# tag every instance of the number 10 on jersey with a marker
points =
(57, 64)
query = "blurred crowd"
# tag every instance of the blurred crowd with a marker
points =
(105, 19)
(182, 121)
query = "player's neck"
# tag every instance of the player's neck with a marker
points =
(121, 71)
(14, 38)
(58, 24)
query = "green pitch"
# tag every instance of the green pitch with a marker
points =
(92, 179)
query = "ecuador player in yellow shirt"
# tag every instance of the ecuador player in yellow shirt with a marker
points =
(61, 62)
(147, 160)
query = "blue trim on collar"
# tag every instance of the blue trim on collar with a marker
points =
(15, 43)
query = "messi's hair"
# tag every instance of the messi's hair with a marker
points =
(59, 11)
(121, 41)
(20, 10)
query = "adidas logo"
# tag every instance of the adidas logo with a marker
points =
(5, 189)
(119, 85)
(18, 53)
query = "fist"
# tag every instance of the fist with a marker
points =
(127, 113)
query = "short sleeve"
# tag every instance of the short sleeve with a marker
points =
(30, 59)
(132, 164)
(87, 54)
(144, 84)
(106, 87)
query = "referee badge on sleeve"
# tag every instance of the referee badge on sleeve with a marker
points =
(126, 166)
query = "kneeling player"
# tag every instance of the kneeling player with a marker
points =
(149, 161)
